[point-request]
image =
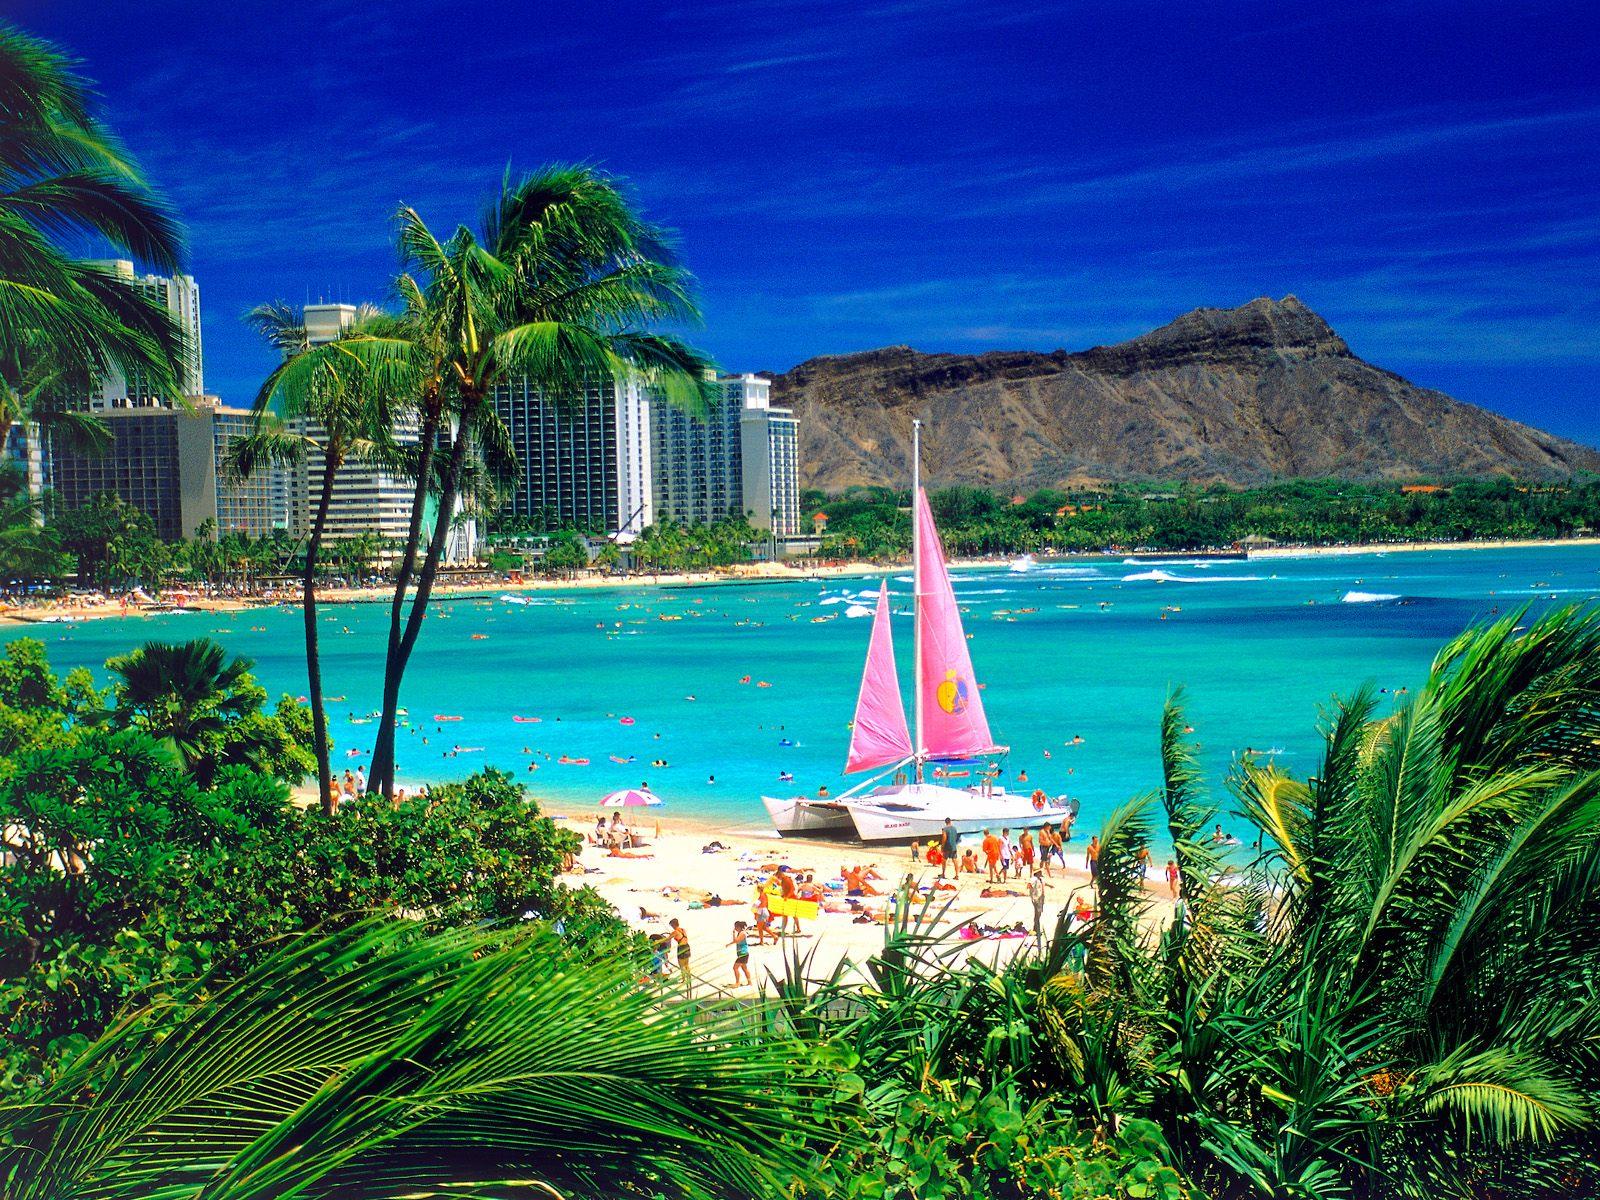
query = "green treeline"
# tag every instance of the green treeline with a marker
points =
(875, 522)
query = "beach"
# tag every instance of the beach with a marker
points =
(1414, 547)
(679, 878)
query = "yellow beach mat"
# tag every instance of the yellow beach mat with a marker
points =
(804, 910)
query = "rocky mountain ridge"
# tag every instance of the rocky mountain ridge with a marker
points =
(1241, 396)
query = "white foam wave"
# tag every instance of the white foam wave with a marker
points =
(1159, 576)
(1367, 597)
(858, 610)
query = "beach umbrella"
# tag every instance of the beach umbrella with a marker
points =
(632, 798)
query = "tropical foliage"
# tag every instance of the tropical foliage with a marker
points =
(207, 710)
(65, 180)
(1397, 997)
(375, 1063)
(129, 874)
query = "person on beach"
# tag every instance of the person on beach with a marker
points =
(1025, 852)
(1091, 859)
(658, 954)
(1036, 894)
(763, 915)
(1143, 860)
(741, 954)
(786, 889)
(991, 855)
(969, 861)
(916, 851)
(1172, 878)
(1008, 851)
(949, 847)
(681, 938)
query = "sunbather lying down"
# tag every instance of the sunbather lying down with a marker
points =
(618, 852)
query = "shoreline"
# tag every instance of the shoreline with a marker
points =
(1418, 547)
(743, 574)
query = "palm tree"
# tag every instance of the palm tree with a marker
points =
(563, 283)
(1398, 996)
(332, 403)
(377, 1063)
(64, 177)
(29, 552)
(186, 694)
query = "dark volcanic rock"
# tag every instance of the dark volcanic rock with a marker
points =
(1240, 395)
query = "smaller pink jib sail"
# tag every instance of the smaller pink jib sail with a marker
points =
(880, 736)
(952, 724)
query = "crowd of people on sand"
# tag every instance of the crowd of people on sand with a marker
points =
(786, 898)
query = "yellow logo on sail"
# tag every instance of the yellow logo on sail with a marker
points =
(952, 694)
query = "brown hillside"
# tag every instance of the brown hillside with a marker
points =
(1238, 395)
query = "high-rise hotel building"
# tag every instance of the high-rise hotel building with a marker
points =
(180, 296)
(166, 459)
(742, 457)
(584, 462)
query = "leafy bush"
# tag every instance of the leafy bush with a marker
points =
(128, 872)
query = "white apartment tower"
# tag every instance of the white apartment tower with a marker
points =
(584, 461)
(180, 296)
(769, 461)
(740, 458)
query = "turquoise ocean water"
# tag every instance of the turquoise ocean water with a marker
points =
(1258, 646)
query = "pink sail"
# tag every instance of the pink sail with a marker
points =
(950, 709)
(880, 736)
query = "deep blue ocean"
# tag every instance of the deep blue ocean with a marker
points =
(1073, 649)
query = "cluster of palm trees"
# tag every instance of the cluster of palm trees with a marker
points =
(562, 283)
(669, 546)
(1398, 996)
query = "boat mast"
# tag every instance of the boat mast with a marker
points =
(916, 587)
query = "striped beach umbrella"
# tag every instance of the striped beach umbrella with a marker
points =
(632, 798)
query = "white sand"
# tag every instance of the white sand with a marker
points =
(679, 872)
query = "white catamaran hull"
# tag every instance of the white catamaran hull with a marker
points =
(918, 810)
(799, 815)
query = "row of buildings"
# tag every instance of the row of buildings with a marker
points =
(612, 461)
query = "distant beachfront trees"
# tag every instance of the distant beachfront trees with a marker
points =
(66, 181)
(872, 523)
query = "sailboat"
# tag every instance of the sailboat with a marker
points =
(950, 724)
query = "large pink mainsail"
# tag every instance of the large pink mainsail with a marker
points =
(950, 715)
(879, 736)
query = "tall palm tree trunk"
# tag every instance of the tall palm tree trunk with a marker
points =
(319, 714)
(383, 750)
(382, 767)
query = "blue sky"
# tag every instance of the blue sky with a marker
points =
(952, 175)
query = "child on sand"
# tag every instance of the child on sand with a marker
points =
(969, 861)
(741, 954)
